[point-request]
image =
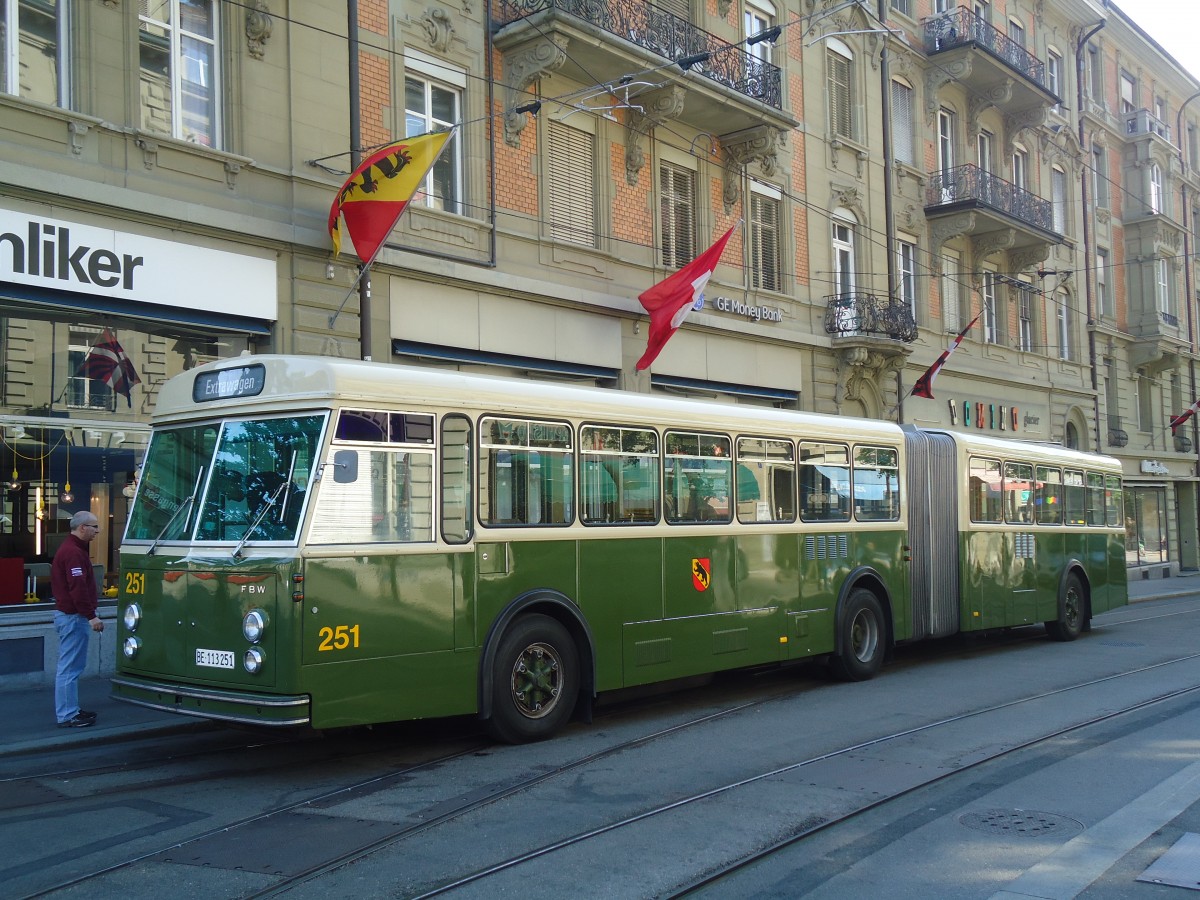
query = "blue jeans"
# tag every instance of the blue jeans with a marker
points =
(73, 632)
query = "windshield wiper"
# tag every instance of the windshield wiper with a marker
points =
(186, 504)
(262, 514)
(288, 496)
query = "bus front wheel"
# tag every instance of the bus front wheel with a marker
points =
(1071, 610)
(862, 639)
(535, 680)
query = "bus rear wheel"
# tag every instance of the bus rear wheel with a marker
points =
(862, 638)
(1071, 610)
(535, 680)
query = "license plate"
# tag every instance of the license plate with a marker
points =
(215, 659)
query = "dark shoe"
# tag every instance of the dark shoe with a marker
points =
(80, 721)
(87, 714)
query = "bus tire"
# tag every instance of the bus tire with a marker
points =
(535, 680)
(860, 654)
(1072, 606)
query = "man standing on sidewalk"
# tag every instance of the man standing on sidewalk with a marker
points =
(74, 584)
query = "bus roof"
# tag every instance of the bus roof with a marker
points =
(305, 382)
(1033, 451)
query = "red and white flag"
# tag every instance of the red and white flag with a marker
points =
(924, 385)
(1184, 416)
(669, 301)
(107, 361)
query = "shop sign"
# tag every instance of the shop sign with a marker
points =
(987, 416)
(741, 308)
(55, 254)
(1154, 467)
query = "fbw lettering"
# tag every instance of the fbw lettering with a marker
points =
(47, 252)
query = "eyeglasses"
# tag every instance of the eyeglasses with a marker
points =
(90, 525)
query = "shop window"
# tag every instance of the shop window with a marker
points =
(83, 392)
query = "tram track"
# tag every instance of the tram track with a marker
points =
(449, 811)
(682, 802)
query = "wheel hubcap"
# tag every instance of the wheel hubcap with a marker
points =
(864, 636)
(1071, 608)
(537, 680)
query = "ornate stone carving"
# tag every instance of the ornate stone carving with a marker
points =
(149, 150)
(762, 144)
(1028, 257)
(849, 197)
(859, 367)
(656, 108)
(231, 173)
(258, 27)
(1019, 122)
(439, 29)
(78, 132)
(942, 230)
(940, 75)
(723, 7)
(522, 67)
(992, 242)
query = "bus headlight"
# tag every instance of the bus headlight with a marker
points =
(133, 617)
(253, 660)
(131, 646)
(254, 624)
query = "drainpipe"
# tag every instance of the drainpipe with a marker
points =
(889, 162)
(1088, 249)
(1186, 221)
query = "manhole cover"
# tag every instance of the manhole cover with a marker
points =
(1020, 822)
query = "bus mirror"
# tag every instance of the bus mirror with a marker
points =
(345, 466)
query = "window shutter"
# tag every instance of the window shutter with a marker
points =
(902, 124)
(841, 96)
(677, 188)
(571, 186)
(764, 240)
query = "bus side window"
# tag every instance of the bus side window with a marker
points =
(697, 478)
(457, 525)
(824, 482)
(983, 490)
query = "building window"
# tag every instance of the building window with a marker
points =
(1016, 32)
(1095, 72)
(34, 48)
(951, 296)
(1128, 89)
(945, 147)
(677, 213)
(1058, 199)
(991, 321)
(1054, 63)
(840, 67)
(1020, 168)
(179, 77)
(1025, 318)
(759, 16)
(764, 237)
(571, 187)
(1099, 176)
(1102, 288)
(1156, 188)
(1162, 286)
(906, 257)
(903, 6)
(434, 106)
(1062, 312)
(903, 140)
(844, 272)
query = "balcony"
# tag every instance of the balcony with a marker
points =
(860, 314)
(1143, 122)
(996, 213)
(987, 61)
(724, 89)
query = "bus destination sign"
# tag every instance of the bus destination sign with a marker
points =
(245, 381)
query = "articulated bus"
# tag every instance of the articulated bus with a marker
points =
(327, 543)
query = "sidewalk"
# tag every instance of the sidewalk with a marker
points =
(29, 711)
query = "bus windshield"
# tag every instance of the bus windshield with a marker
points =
(245, 480)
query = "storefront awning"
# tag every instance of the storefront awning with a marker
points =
(780, 395)
(506, 360)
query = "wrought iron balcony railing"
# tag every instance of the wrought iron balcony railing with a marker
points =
(668, 36)
(961, 26)
(1169, 319)
(1145, 122)
(859, 313)
(969, 182)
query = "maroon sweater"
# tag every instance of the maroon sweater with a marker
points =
(73, 580)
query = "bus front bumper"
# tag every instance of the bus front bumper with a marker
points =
(243, 707)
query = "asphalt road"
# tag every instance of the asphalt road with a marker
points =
(1003, 765)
